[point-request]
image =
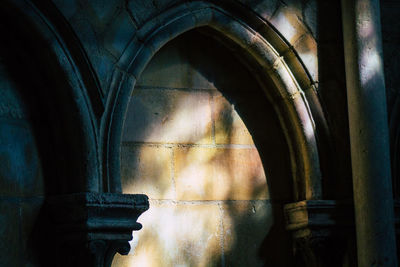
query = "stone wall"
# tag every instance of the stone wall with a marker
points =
(312, 28)
(106, 27)
(201, 139)
(186, 147)
(21, 177)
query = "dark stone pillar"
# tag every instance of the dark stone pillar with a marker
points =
(89, 228)
(372, 185)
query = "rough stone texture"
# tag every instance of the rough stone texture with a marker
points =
(176, 66)
(169, 116)
(172, 68)
(306, 47)
(322, 232)
(21, 173)
(265, 8)
(10, 232)
(147, 170)
(369, 133)
(201, 173)
(105, 27)
(178, 234)
(246, 225)
(92, 227)
(21, 177)
(219, 174)
(229, 127)
(30, 212)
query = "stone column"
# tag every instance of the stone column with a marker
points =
(373, 201)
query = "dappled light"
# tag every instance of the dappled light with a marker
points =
(370, 60)
(370, 64)
(186, 147)
(171, 117)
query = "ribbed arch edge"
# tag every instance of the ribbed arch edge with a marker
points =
(288, 95)
(82, 85)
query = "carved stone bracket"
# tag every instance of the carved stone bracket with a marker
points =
(92, 227)
(323, 232)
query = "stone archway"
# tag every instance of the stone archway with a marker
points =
(288, 98)
(188, 145)
(273, 63)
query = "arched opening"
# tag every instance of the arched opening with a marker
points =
(203, 141)
(299, 111)
(56, 90)
(47, 145)
(21, 174)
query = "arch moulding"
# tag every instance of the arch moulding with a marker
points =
(84, 225)
(292, 92)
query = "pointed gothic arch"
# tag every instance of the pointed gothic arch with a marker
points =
(293, 93)
(66, 92)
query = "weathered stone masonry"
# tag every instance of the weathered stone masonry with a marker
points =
(75, 161)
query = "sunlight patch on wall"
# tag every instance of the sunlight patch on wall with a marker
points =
(188, 149)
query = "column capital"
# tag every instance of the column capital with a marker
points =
(322, 231)
(92, 227)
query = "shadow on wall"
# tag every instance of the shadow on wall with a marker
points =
(186, 146)
(40, 150)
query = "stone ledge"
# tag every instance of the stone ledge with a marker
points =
(92, 227)
(96, 211)
(318, 214)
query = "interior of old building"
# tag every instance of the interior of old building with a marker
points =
(199, 133)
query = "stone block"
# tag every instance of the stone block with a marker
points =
(229, 127)
(219, 174)
(147, 170)
(118, 34)
(20, 169)
(287, 20)
(122, 261)
(196, 61)
(88, 33)
(168, 116)
(264, 8)
(310, 13)
(103, 12)
(141, 11)
(11, 102)
(306, 48)
(246, 224)
(177, 234)
(10, 233)
(172, 66)
(67, 7)
(31, 231)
